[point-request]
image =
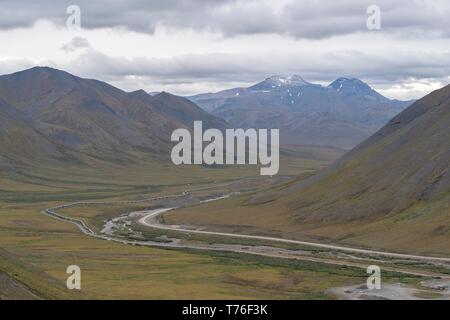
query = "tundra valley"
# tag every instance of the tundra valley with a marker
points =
(231, 150)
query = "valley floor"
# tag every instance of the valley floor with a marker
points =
(36, 249)
(420, 230)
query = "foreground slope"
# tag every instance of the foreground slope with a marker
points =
(404, 164)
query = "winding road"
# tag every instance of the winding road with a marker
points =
(149, 219)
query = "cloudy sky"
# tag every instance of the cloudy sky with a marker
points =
(192, 46)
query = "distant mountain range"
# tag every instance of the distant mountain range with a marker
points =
(341, 114)
(48, 113)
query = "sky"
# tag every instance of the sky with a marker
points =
(187, 47)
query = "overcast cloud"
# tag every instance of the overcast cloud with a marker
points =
(199, 46)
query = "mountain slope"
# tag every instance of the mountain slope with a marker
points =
(341, 114)
(403, 164)
(93, 118)
(18, 138)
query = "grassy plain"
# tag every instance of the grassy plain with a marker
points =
(421, 229)
(36, 250)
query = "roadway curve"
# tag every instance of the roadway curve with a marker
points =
(150, 220)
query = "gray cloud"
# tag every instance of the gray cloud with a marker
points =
(195, 73)
(137, 15)
(76, 43)
(319, 19)
(301, 18)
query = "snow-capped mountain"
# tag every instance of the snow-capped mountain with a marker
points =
(353, 86)
(341, 114)
(280, 81)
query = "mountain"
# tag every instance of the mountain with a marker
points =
(341, 114)
(52, 110)
(278, 81)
